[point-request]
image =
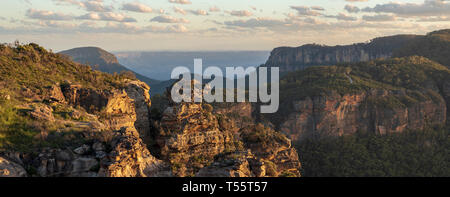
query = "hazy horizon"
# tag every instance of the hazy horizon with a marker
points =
(159, 64)
(221, 25)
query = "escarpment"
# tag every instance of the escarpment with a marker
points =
(291, 59)
(336, 115)
(381, 97)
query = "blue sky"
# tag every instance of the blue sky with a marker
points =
(180, 25)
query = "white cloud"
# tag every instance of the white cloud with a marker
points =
(214, 9)
(137, 7)
(180, 1)
(199, 12)
(179, 10)
(47, 15)
(89, 5)
(107, 16)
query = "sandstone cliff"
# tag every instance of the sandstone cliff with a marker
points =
(336, 115)
(291, 59)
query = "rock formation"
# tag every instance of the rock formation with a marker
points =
(336, 115)
(291, 59)
(197, 142)
(11, 169)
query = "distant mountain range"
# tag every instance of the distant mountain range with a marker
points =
(159, 65)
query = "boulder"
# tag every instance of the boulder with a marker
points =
(11, 169)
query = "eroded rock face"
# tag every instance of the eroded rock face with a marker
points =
(121, 108)
(42, 112)
(127, 156)
(130, 158)
(112, 121)
(190, 138)
(337, 115)
(236, 165)
(89, 99)
(139, 92)
(55, 94)
(193, 141)
(11, 169)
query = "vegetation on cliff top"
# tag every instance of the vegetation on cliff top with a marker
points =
(27, 72)
(435, 46)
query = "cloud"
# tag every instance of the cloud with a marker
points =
(256, 22)
(199, 12)
(241, 13)
(214, 9)
(318, 8)
(107, 16)
(137, 7)
(427, 8)
(89, 5)
(96, 6)
(47, 15)
(180, 1)
(179, 10)
(342, 17)
(434, 19)
(379, 18)
(352, 9)
(357, 0)
(168, 19)
(305, 11)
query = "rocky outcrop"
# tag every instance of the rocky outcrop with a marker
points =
(130, 158)
(117, 108)
(42, 113)
(231, 165)
(291, 59)
(89, 99)
(125, 155)
(336, 115)
(189, 138)
(139, 92)
(196, 143)
(240, 115)
(11, 169)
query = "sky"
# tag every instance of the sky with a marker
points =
(213, 25)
